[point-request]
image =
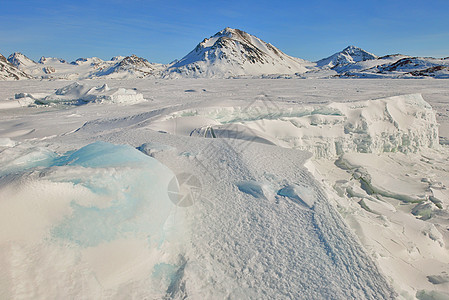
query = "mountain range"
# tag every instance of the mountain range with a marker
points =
(230, 53)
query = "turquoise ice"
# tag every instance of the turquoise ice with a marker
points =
(132, 187)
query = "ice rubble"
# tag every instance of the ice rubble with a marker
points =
(379, 160)
(403, 123)
(78, 94)
(100, 204)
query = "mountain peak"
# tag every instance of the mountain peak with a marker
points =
(20, 60)
(44, 60)
(134, 60)
(354, 49)
(351, 48)
(16, 54)
(228, 31)
(233, 33)
(348, 55)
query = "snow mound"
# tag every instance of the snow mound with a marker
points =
(7, 142)
(301, 195)
(78, 94)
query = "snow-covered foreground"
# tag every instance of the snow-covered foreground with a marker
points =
(225, 189)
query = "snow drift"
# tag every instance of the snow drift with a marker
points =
(78, 94)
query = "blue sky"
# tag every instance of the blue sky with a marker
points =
(162, 31)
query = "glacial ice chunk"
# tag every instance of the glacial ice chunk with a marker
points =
(17, 160)
(126, 191)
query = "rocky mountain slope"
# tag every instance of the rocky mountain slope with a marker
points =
(9, 72)
(232, 52)
(118, 67)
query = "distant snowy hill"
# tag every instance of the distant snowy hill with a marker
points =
(55, 68)
(349, 55)
(232, 52)
(397, 66)
(418, 66)
(85, 68)
(358, 63)
(9, 72)
(130, 67)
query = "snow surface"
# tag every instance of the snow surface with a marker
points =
(79, 184)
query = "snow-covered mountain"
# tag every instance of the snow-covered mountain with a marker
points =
(130, 67)
(358, 63)
(363, 68)
(232, 52)
(418, 66)
(9, 72)
(396, 66)
(53, 68)
(20, 60)
(349, 55)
